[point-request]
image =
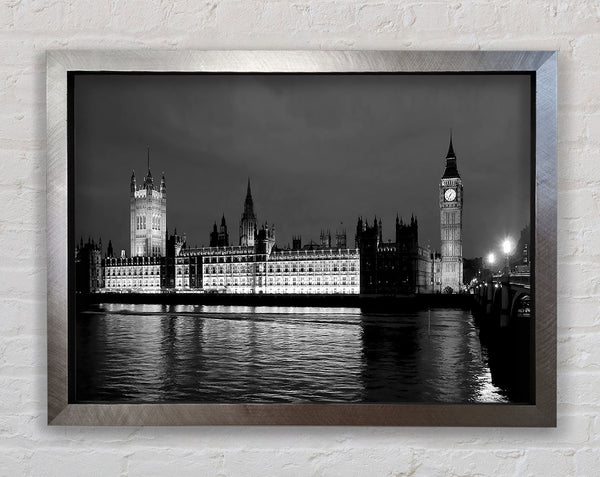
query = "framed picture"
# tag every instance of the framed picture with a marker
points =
(301, 238)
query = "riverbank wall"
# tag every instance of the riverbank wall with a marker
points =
(380, 303)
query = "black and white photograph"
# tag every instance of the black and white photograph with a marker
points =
(301, 238)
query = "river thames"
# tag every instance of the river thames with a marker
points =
(239, 354)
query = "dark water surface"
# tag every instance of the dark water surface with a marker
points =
(187, 353)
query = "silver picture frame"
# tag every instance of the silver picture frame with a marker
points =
(541, 64)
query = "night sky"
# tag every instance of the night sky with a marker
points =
(320, 150)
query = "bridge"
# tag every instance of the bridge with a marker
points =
(506, 298)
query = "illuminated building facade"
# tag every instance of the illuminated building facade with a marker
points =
(142, 274)
(148, 216)
(261, 269)
(159, 263)
(451, 206)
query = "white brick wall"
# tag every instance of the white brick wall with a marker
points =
(29, 27)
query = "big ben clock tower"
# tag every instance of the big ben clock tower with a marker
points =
(451, 205)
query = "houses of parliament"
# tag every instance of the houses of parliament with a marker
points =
(159, 262)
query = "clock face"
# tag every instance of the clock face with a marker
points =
(450, 195)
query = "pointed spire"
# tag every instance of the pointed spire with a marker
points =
(451, 168)
(223, 221)
(450, 148)
(148, 179)
(249, 205)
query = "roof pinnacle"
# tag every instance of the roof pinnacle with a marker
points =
(451, 167)
(450, 147)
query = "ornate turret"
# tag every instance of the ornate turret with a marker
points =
(148, 181)
(132, 184)
(248, 221)
(214, 236)
(325, 238)
(296, 242)
(340, 239)
(249, 203)
(359, 231)
(265, 239)
(148, 216)
(223, 234)
(407, 235)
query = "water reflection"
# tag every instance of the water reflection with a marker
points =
(189, 353)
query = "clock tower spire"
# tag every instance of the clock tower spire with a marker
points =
(451, 206)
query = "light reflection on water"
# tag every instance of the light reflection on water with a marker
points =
(189, 353)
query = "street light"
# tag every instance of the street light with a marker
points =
(507, 248)
(491, 258)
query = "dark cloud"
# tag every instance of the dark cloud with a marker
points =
(320, 151)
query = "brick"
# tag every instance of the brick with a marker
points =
(380, 18)
(189, 462)
(432, 16)
(548, 462)
(587, 462)
(15, 462)
(584, 52)
(483, 15)
(592, 129)
(333, 16)
(23, 317)
(576, 313)
(578, 279)
(578, 389)
(23, 206)
(180, 17)
(581, 91)
(576, 203)
(576, 169)
(22, 355)
(572, 127)
(503, 461)
(19, 397)
(578, 351)
(76, 461)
